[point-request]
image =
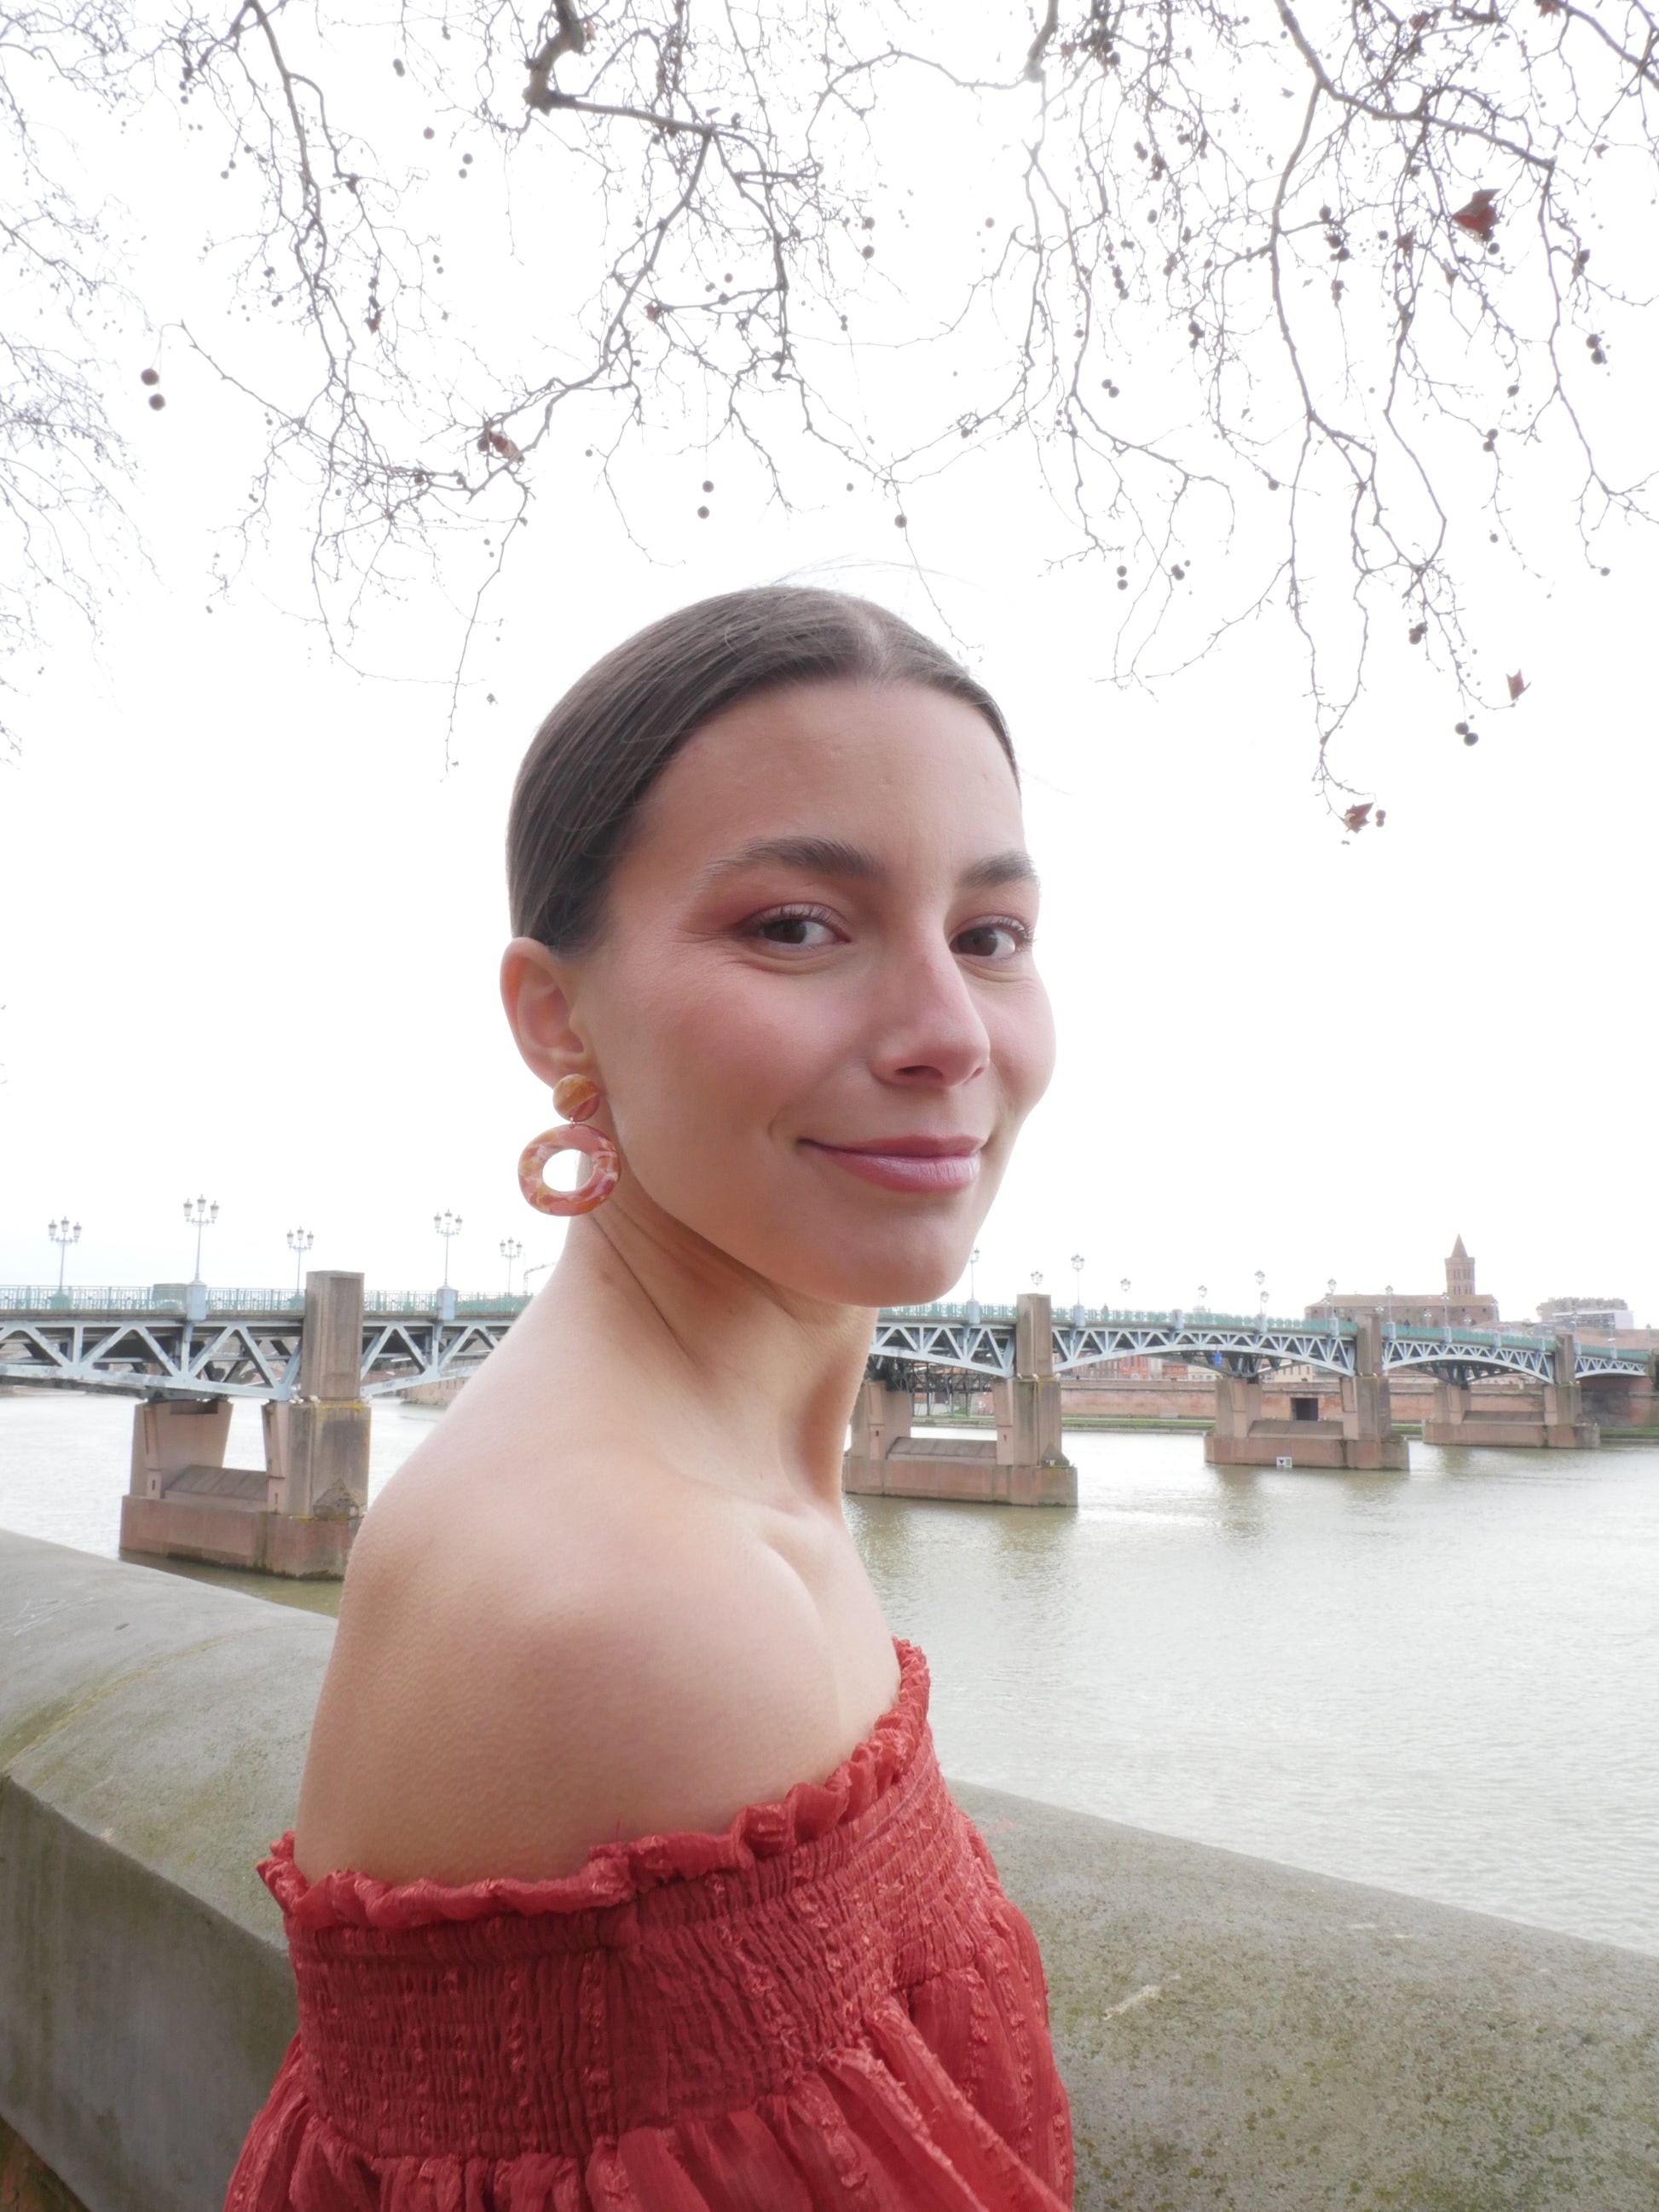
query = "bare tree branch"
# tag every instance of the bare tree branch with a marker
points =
(1286, 341)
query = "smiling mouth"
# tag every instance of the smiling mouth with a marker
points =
(938, 1166)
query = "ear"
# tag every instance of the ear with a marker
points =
(537, 987)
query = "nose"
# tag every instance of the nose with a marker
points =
(930, 1035)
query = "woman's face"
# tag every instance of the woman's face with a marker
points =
(812, 1006)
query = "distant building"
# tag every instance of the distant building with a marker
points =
(1602, 1314)
(1460, 1303)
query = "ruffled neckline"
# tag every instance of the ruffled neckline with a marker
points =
(616, 1872)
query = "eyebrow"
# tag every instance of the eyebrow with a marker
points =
(1013, 866)
(829, 856)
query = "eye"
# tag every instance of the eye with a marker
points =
(998, 939)
(794, 927)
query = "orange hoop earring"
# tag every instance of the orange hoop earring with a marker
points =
(577, 1097)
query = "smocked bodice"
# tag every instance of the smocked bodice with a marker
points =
(833, 1994)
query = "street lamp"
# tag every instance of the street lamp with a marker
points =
(1330, 1295)
(299, 1241)
(1036, 1279)
(200, 1214)
(973, 1294)
(1123, 1285)
(1261, 1293)
(512, 1250)
(1077, 1301)
(448, 1226)
(63, 1236)
(1388, 1292)
(1203, 1293)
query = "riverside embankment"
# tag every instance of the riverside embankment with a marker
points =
(1234, 2035)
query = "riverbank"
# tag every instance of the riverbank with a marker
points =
(1235, 2036)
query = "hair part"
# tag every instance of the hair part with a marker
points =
(597, 754)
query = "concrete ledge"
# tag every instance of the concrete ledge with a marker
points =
(151, 1731)
(1235, 2036)
(1241, 2037)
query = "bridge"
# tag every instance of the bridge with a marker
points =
(241, 1344)
(979, 1339)
(316, 1361)
(247, 1343)
(1543, 1407)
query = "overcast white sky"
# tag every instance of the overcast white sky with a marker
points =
(252, 923)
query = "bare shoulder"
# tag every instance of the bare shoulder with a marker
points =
(524, 1669)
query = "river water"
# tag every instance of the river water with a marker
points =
(1445, 1683)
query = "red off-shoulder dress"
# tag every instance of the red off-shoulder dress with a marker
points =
(830, 2007)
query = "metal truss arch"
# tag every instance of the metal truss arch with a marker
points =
(123, 1348)
(254, 1356)
(957, 1337)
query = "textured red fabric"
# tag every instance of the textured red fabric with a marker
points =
(830, 2007)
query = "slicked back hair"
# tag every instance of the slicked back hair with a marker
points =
(614, 731)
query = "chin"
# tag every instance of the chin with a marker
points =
(887, 1277)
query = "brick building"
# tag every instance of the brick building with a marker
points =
(1460, 1303)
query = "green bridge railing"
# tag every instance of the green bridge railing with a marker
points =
(168, 1298)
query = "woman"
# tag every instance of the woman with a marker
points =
(623, 1876)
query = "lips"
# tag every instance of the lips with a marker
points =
(934, 1165)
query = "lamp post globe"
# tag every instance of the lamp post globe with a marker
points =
(200, 1214)
(62, 1235)
(448, 1226)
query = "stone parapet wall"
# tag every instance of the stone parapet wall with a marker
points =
(1234, 2034)
(151, 1731)
(1242, 2037)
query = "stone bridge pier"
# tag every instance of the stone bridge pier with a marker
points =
(1527, 1419)
(1624, 1401)
(1363, 1437)
(1027, 1464)
(296, 1515)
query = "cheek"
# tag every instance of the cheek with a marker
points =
(1022, 1036)
(719, 1046)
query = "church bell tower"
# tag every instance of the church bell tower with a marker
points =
(1460, 1273)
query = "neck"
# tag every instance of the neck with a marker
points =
(758, 1380)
